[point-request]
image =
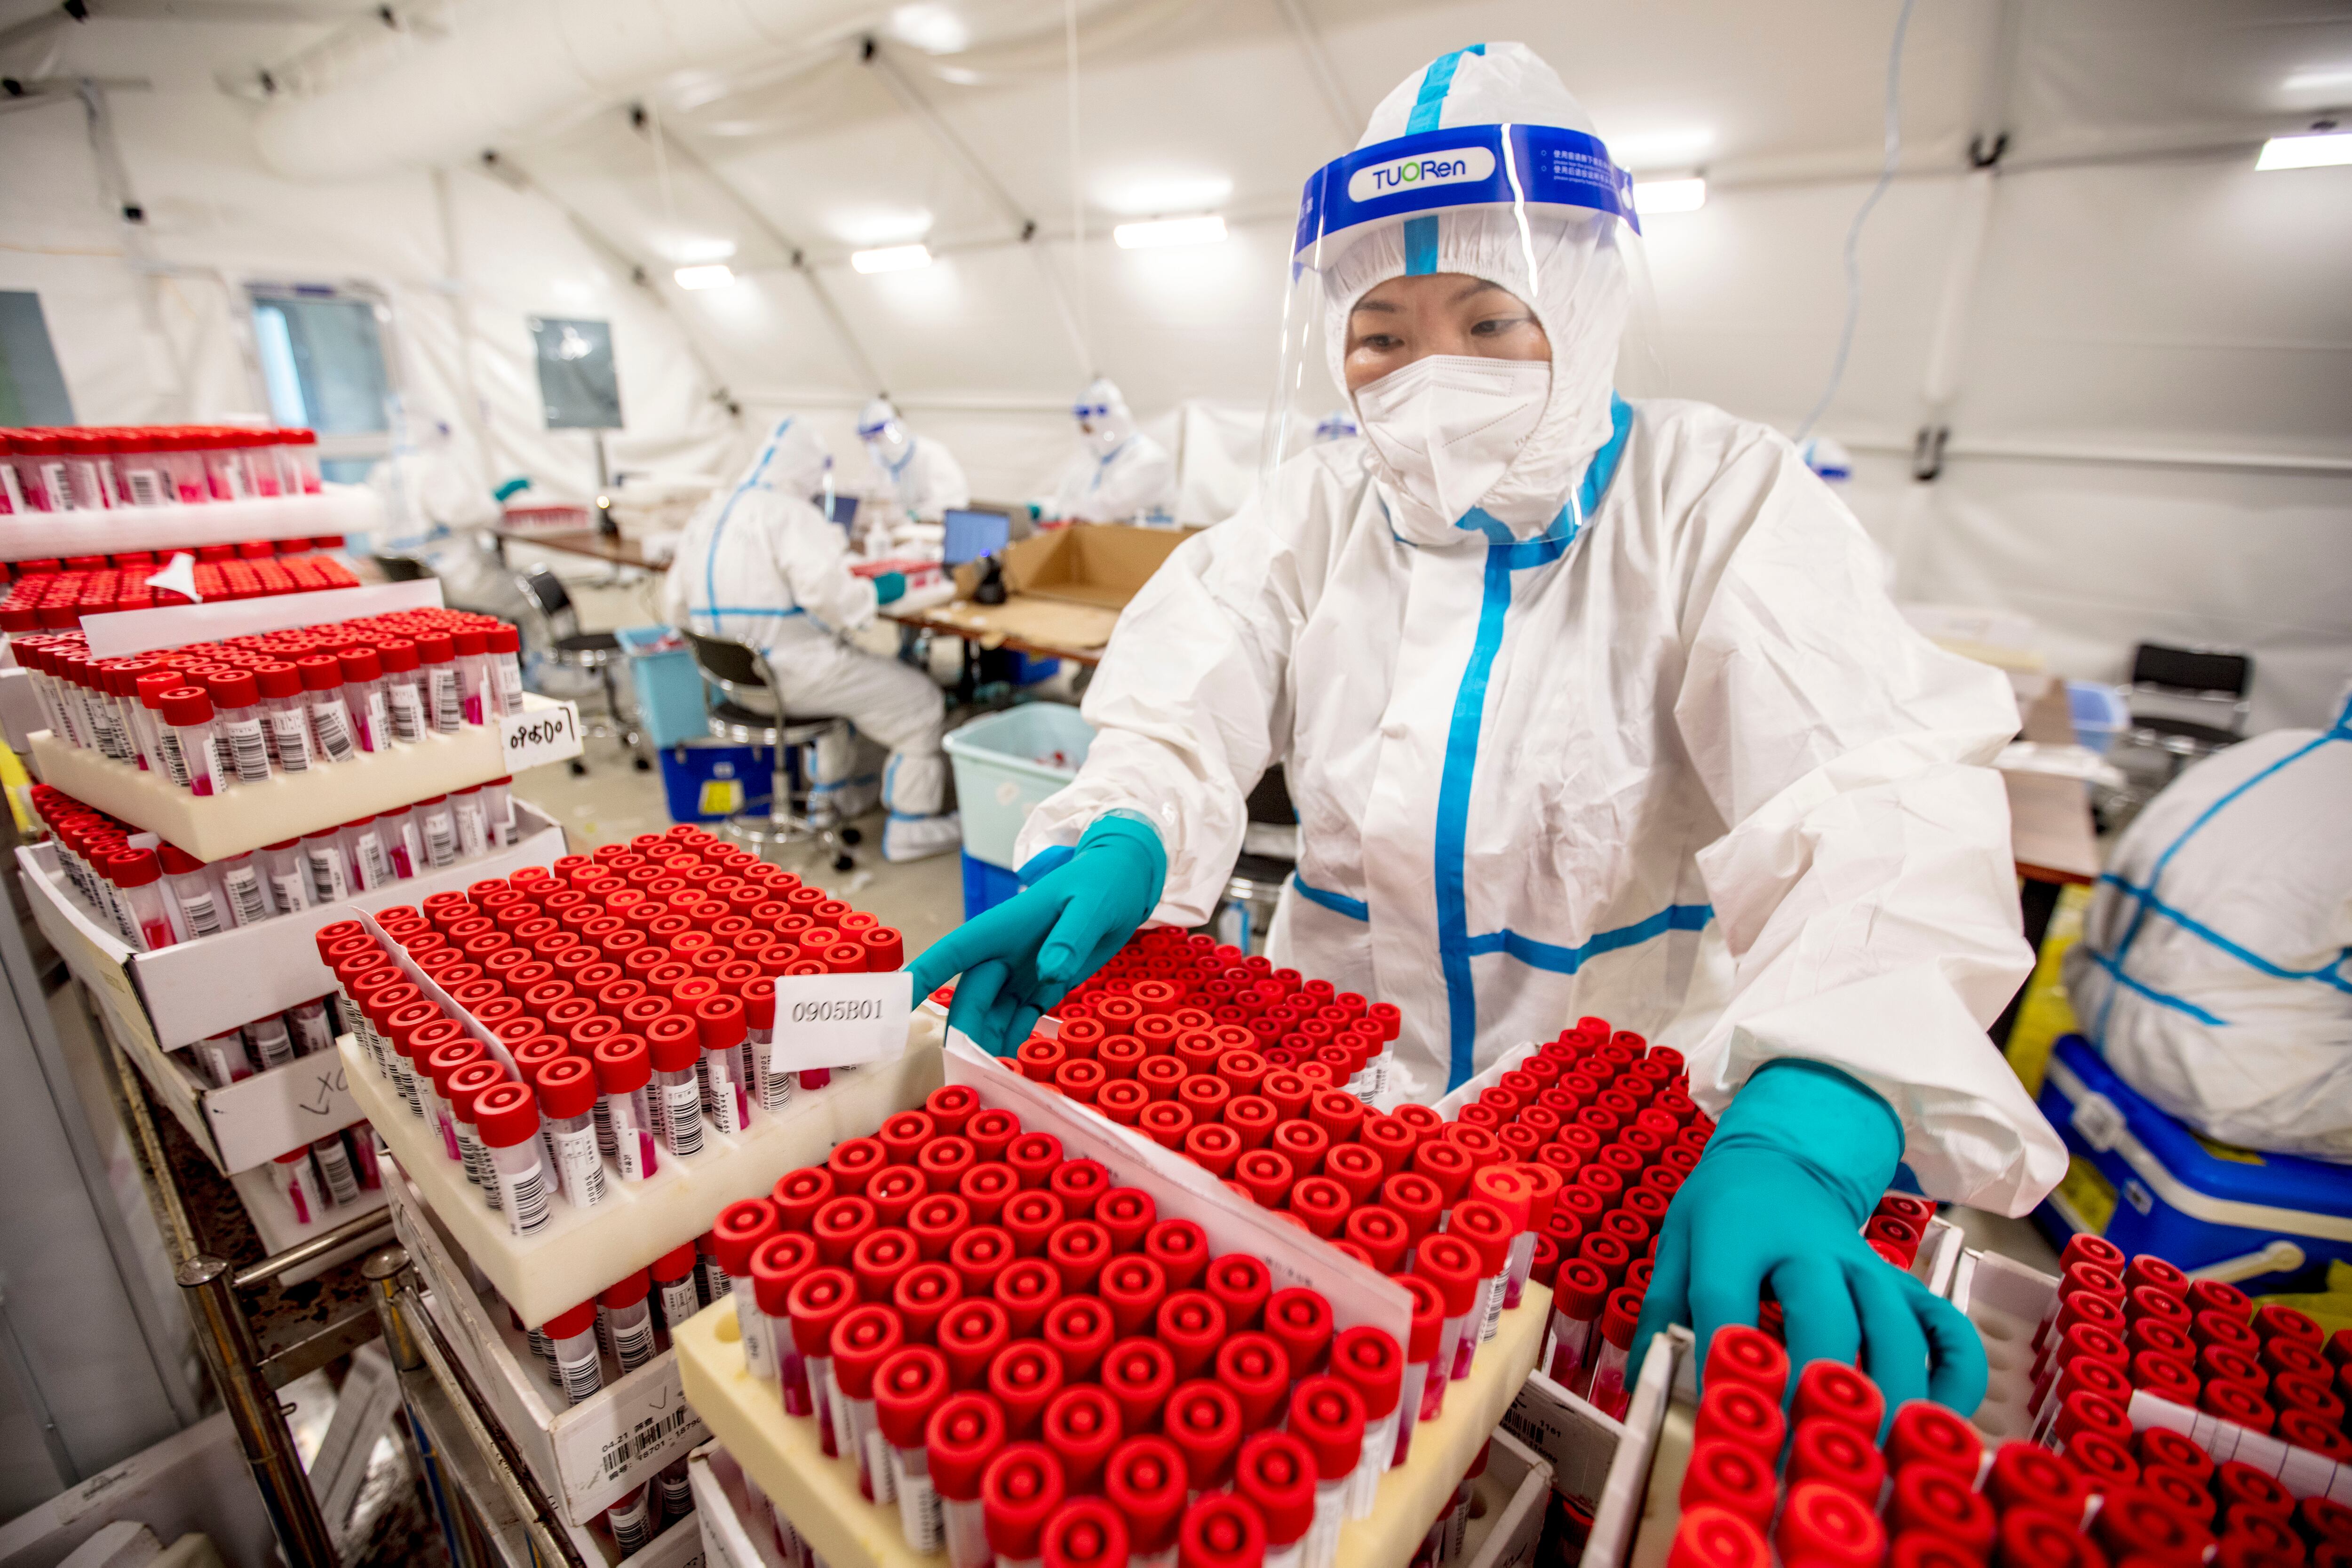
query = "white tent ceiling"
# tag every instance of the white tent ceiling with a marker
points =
(2155, 355)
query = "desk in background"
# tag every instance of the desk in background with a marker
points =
(612, 551)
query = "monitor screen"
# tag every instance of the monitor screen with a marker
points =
(972, 534)
(842, 509)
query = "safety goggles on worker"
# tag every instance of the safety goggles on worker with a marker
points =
(1460, 177)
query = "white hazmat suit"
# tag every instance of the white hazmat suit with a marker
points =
(924, 478)
(759, 564)
(1666, 753)
(2215, 968)
(1118, 473)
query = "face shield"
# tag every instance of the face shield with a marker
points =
(1103, 421)
(1339, 425)
(883, 433)
(1462, 289)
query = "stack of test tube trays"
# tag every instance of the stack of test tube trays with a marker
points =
(1180, 1422)
(231, 1029)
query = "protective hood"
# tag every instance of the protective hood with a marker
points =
(1565, 260)
(883, 431)
(791, 462)
(1103, 421)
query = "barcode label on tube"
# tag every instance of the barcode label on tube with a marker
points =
(340, 1183)
(679, 1302)
(582, 1377)
(334, 734)
(293, 738)
(407, 713)
(634, 1346)
(244, 900)
(203, 918)
(148, 487)
(684, 1106)
(526, 1200)
(440, 842)
(447, 714)
(248, 749)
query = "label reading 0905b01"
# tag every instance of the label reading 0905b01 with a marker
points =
(840, 1020)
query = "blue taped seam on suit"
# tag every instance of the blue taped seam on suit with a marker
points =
(2326, 973)
(719, 529)
(1337, 903)
(2114, 966)
(1454, 944)
(2160, 998)
(1429, 103)
(1557, 960)
(1420, 247)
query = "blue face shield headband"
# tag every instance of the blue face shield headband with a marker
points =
(1535, 167)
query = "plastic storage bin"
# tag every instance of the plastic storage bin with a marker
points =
(2100, 715)
(709, 779)
(2149, 1184)
(1005, 764)
(985, 886)
(668, 687)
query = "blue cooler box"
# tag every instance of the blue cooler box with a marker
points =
(707, 780)
(985, 886)
(2147, 1184)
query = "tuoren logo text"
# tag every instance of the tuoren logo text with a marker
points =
(1455, 166)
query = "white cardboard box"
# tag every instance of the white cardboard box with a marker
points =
(587, 1456)
(156, 1002)
(247, 816)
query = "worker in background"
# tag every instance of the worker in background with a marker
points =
(923, 476)
(760, 564)
(2215, 968)
(1117, 473)
(1587, 708)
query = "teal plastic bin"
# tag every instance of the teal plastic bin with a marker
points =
(668, 687)
(1005, 764)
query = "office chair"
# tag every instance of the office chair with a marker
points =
(598, 654)
(752, 713)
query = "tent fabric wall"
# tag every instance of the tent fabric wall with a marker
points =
(2147, 436)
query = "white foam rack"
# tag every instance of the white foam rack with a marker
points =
(1640, 1500)
(158, 1002)
(287, 806)
(336, 508)
(586, 1457)
(782, 1455)
(2006, 1301)
(582, 1250)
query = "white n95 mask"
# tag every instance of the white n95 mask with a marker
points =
(1447, 427)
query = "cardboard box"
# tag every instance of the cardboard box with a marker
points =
(1065, 585)
(586, 1455)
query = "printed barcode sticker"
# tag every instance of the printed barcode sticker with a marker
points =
(526, 1199)
(682, 1105)
(679, 1302)
(407, 713)
(148, 487)
(248, 749)
(270, 1044)
(632, 1520)
(440, 841)
(202, 917)
(335, 729)
(582, 1376)
(293, 739)
(633, 1346)
(580, 1167)
(602, 1450)
(340, 1183)
(447, 713)
(244, 900)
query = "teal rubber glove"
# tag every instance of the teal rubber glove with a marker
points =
(889, 587)
(1022, 956)
(1796, 1166)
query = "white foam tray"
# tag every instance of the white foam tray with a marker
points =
(247, 816)
(194, 990)
(582, 1251)
(586, 1455)
(336, 508)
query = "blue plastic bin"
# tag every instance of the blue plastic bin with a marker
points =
(985, 886)
(2100, 715)
(706, 780)
(2148, 1184)
(668, 687)
(1005, 764)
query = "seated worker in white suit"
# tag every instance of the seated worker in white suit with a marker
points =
(925, 479)
(760, 564)
(1118, 472)
(2215, 969)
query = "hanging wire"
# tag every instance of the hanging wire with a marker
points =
(1077, 193)
(1861, 214)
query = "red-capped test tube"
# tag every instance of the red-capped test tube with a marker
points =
(1327, 1415)
(1274, 1473)
(907, 1387)
(965, 1434)
(507, 1121)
